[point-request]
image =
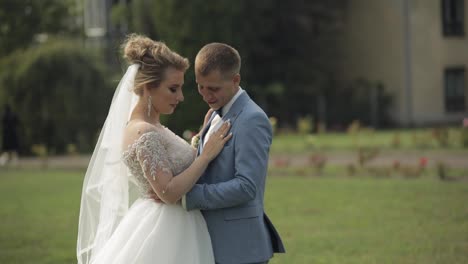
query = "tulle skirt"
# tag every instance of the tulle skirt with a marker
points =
(154, 233)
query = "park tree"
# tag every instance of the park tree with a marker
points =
(58, 88)
(59, 93)
(23, 22)
(289, 48)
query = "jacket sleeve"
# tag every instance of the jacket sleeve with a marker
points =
(251, 145)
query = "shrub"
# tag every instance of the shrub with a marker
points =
(305, 125)
(441, 136)
(361, 99)
(59, 93)
(464, 133)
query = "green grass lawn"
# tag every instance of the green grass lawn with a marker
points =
(321, 219)
(366, 220)
(38, 216)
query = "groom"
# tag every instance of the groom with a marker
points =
(230, 193)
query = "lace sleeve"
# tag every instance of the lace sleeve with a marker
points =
(152, 155)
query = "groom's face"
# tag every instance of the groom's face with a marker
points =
(217, 89)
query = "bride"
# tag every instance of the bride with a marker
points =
(136, 158)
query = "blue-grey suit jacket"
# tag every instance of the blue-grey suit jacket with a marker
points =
(231, 191)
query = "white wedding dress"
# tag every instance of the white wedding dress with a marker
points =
(152, 232)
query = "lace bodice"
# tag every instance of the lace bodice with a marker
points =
(160, 149)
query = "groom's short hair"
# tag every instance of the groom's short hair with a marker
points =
(218, 56)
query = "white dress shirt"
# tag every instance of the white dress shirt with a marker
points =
(215, 123)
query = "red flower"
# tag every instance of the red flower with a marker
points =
(423, 161)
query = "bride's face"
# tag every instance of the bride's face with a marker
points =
(167, 96)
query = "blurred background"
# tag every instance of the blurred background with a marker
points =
(386, 64)
(368, 99)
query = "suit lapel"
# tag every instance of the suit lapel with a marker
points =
(236, 108)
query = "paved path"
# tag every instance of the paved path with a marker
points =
(451, 159)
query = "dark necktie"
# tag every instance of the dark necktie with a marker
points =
(220, 112)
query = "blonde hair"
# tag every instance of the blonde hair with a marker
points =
(220, 57)
(154, 57)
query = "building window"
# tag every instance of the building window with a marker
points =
(455, 89)
(453, 17)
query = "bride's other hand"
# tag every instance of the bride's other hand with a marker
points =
(216, 142)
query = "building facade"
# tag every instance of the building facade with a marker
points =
(417, 49)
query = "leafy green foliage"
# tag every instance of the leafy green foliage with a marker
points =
(59, 93)
(289, 48)
(21, 20)
(355, 101)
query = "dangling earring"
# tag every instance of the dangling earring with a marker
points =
(149, 106)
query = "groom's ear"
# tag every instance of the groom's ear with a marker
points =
(236, 79)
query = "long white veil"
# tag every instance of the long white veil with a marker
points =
(107, 187)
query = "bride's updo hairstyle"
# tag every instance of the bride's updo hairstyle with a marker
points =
(154, 58)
